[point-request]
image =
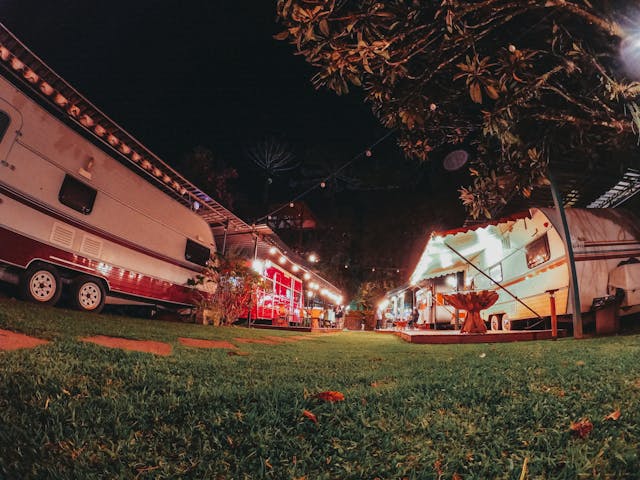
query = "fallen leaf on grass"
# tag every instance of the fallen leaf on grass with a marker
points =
(580, 363)
(456, 477)
(330, 396)
(310, 416)
(581, 428)
(239, 353)
(482, 355)
(268, 464)
(613, 415)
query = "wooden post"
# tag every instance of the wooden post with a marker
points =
(554, 317)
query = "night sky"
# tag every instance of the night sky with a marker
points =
(177, 75)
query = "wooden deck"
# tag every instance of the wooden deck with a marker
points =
(455, 337)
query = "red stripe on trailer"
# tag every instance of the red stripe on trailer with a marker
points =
(20, 251)
(29, 202)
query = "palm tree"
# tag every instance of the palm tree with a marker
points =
(273, 158)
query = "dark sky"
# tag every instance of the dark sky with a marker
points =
(203, 72)
(176, 76)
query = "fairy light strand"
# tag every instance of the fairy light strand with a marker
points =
(366, 152)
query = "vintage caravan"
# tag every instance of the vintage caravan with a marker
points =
(523, 258)
(84, 208)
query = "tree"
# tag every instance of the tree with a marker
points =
(526, 83)
(210, 173)
(272, 158)
(230, 287)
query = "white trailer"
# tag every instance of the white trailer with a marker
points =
(523, 258)
(84, 207)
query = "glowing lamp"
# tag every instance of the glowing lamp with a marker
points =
(31, 76)
(282, 260)
(73, 110)
(100, 130)
(257, 266)
(17, 64)
(313, 258)
(113, 140)
(309, 293)
(46, 88)
(4, 53)
(86, 120)
(60, 100)
(307, 276)
(273, 250)
(295, 268)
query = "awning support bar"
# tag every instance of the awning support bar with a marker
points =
(494, 281)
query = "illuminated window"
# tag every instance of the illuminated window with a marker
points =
(75, 194)
(196, 253)
(537, 252)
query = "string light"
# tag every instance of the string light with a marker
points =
(367, 152)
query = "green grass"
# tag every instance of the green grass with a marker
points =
(75, 410)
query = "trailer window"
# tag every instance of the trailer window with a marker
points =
(480, 282)
(5, 120)
(75, 194)
(538, 251)
(196, 253)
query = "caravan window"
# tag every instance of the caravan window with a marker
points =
(480, 282)
(5, 120)
(196, 253)
(538, 251)
(75, 194)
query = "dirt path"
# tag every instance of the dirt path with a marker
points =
(147, 346)
(13, 341)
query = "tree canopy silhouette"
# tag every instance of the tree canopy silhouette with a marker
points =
(523, 84)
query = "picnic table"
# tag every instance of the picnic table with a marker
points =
(473, 303)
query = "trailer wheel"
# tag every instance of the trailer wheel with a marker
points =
(506, 323)
(40, 283)
(495, 321)
(88, 294)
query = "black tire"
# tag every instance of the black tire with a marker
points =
(495, 322)
(88, 294)
(40, 283)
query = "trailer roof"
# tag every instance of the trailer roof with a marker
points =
(32, 75)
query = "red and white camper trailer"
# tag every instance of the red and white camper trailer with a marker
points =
(84, 207)
(525, 253)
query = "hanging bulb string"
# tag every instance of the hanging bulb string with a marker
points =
(366, 152)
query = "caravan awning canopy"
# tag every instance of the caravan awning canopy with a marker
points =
(438, 259)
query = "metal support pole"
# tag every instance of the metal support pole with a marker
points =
(224, 239)
(566, 236)
(554, 317)
(255, 256)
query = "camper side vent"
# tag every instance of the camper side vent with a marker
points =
(506, 242)
(62, 235)
(91, 246)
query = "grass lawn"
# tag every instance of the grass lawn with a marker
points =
(75, 410)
